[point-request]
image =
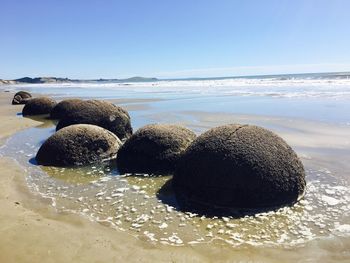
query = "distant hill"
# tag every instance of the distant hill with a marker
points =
(139, 79)
(6, 82)
(41, 80)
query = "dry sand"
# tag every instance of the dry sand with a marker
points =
(32, 231)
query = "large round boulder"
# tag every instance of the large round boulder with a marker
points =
(65, 107)
(21, 97)
(239, 166)
(100, 113)
(38, 106)
(79, 144)
(154, 149)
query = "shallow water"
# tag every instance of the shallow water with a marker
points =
(146, 207)
(324, 100)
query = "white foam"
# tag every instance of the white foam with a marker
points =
(273, 87)
(330, 200)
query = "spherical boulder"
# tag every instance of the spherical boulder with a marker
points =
(65, 107)
(38, 106)
(154, 149)
(78, 144)
(239, 166)
(21, 97)
(100, 113)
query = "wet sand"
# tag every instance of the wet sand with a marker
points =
(32, 231)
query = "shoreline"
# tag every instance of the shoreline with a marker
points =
(32, 230)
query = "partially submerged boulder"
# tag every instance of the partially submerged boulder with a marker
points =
(100, 113)
(38, 106)
(154, 149)
(21, 97)
(239, 166)
(79, 144)
(65, 107)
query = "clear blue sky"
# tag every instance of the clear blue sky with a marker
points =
(172, 38)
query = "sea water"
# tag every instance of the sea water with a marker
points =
(322, 97)
(146, 207)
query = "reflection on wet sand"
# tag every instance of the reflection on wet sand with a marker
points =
(45, 120)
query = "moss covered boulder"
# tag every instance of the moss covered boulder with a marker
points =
(38, 106)
(154, 149)
(79, 144)
(65, 107)
(21, 97)
(100, 113)
(239, 166)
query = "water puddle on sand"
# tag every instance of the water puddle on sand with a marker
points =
(145, 206)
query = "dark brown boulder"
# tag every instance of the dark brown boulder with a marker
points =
(21, 97)
(154, 149)
(79, 144)
(100, 113)
(38, 106)
(65, 107)
(239, 166)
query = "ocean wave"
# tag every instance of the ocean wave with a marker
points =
(336, 88)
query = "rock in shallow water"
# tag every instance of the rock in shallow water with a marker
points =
(239, 166)
(38, 106)
(78, 145)
(154, 149)
(65, 107)
(100, 113)
(21, 97)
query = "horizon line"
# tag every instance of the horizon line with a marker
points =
(187, 78)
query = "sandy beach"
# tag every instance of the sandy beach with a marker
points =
(175, 131)
(33, 231)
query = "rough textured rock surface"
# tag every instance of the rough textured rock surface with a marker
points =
(239, 166)
(78, 145)
(154, 148)
(100, 113)
(38, 106)
(21, 97)
(65, 107)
